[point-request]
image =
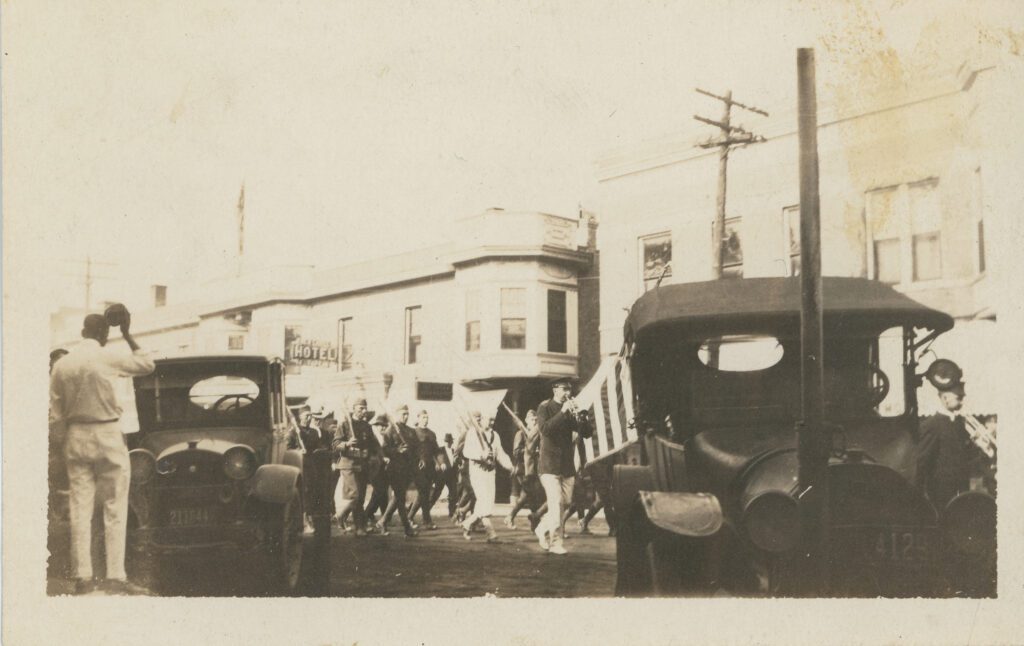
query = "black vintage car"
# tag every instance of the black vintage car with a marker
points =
(216, 466)
(708, 500)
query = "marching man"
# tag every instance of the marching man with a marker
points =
(483, 451)
(558, 418)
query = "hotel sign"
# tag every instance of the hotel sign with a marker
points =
(308, 352)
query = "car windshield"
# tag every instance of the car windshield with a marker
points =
(201, 395)
(736, 380)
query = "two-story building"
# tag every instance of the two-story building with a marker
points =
(906, 198)
(495, 310)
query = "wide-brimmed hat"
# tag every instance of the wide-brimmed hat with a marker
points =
(958, 388)
(379, 420)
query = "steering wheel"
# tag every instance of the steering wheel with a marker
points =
(238, 402)
(880, 386)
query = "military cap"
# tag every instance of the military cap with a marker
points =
(361, 401)
(402, 409)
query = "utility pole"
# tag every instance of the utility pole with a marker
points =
(730, 136)
(814, 441)
(90, 277)
(241, 227)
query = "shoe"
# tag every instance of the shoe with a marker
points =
(84, 586)
(382, 530)
(371, 529)
(411, 533)
(124, 587)
(466, 534)
(431, 526)
(542, 536)
(510, 522)
(493, 539)
(557, 549)
(585, 530)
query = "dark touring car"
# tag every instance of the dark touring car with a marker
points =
(216, 468)
(708, 500)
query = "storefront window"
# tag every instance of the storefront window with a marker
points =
(655, 259)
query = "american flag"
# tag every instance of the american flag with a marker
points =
(608, 398)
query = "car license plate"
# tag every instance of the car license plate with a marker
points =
(901, 545)
(190, 516)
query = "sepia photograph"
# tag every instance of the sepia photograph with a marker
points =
(639, 308)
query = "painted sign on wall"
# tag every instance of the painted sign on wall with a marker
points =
(299, 351)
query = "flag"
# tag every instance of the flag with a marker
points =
(608, 399)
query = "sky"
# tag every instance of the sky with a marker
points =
(366, 128)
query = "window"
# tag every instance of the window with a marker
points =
(925, 224)
(472, 321)
(732, 249)
(904, 224)
(887, 260)
(513, 318)
(557, 324)
(236, 342)
(412, 333)
(345, 344)
(655, 259)
(159, 295)
(791, 232)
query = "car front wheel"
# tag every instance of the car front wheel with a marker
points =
(283, 545)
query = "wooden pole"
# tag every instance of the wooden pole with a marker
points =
(718, 232)
(814, 442)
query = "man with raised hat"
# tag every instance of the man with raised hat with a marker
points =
(85, 411)
(356, 452)
(558, 421)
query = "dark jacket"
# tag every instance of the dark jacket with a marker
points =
(428, 447)
(402, 448)
(556, 444)
(365, 451)
(314, 438)
(944, 456)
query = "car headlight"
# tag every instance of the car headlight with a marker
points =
(970, 522)
(239, 462)
(772, 521)
(143, 465)
(166, 466)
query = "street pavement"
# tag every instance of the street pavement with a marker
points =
(438, 563)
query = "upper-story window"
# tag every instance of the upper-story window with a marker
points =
(472, 321)
(345, 344)
(905, 238)
(655, 258)
(513, 318)
(557, 322)
(732, 249)
(412, 333)
(236, 342)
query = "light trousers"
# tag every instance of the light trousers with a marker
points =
(558, 491)
(99, 472)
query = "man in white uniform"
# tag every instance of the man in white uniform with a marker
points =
(84, 411)
(483, 450)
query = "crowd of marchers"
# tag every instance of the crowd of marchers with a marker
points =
(382, 465)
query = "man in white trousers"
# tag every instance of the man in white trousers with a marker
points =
(558, 421)
(85, 411)
(483, 450)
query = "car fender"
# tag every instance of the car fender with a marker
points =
(275, 483)
(694, 515)
(293, 457)
(627, 482)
